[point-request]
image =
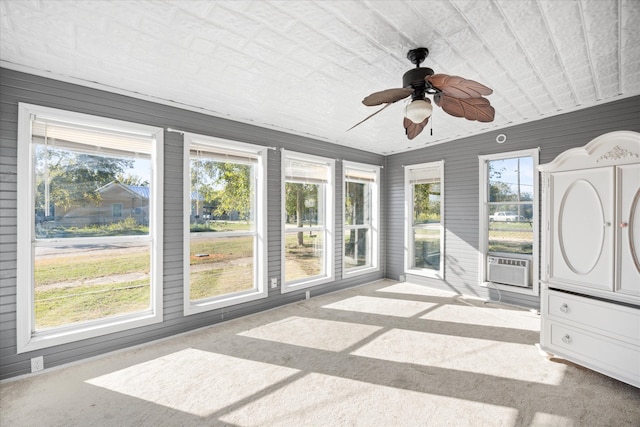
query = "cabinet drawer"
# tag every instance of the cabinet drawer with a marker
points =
(614, 320)
(612, 358)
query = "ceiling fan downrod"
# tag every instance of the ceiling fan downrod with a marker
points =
(418, 55)
(415, 78)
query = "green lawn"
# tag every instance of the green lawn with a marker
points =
(94, 282)
(220, 266)
(221, 226)
(302, 260)
(511, 237)
(74, 267)
(218, 281)
(63, 306)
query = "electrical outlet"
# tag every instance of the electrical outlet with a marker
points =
(308, 294)
(274, 282)
(37, 364)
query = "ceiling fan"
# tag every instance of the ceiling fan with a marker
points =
(455, 95)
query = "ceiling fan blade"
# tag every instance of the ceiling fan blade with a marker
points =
(470, 108)
(458, 87)
(387, 96)
(413, 129)
(368, 117)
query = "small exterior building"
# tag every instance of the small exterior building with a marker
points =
(117, 202)
(120, 201)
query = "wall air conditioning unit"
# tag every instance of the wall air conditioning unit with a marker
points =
(509, 271)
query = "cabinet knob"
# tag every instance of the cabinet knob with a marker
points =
(623, 224)
(607, 224)
(566, 339)
(564, 308)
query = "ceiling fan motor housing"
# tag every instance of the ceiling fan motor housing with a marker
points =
(415, 78)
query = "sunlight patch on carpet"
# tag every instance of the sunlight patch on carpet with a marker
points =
(194, 381)
(544, 419)
(480, 356)
(382, 306)
(319, 334)
(413, 289)
(485, 316)
(330, 400)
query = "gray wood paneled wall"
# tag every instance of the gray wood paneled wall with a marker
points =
(461, 186)
(20, 87)
(552, 135)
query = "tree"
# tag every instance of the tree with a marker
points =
(130, 179)
(426, 202)
(236, 180)
(296, 195)
(64, 178)
(225, 186)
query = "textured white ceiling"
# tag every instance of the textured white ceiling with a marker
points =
(304, 66)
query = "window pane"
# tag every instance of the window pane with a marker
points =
(87, 195)
(356, 248)
(426, 203)
(427, 248)
(511, 228)
(304, 255)
(222, 196)
(304, 205)
(357, 207)
(511, 180)
(510, 207)
(220, 266)
(78, 283)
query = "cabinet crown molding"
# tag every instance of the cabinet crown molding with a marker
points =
(619, 147)
(617, 153)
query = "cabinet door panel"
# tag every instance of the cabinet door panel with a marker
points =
(582, 228)
(628, 224)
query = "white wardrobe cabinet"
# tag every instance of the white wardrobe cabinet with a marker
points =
(628, 221)
(583, 229)
(591, 255)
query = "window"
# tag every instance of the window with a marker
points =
(508, 218)
(424, 201)
(224, 222)
(307, 237)
(361, 212)
(116, 210)
(87, 265)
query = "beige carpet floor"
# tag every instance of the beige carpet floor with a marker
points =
(383, 354)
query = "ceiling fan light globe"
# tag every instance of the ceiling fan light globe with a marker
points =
(418, 110)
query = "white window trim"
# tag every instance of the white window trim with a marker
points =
(329, 225)
(26, 340)
(260, 249)
(374, 224)
(408, 222)
(534, 153)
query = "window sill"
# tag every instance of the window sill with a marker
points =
(511, 288)
(294, 286)
(202, 306)
(352, 272)
(64, 335)
(425, 273)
